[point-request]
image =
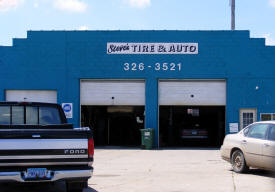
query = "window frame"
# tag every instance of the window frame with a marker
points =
(247, 110)
(272, 116)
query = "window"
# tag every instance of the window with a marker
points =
(247, 119)
(258, 131)
(31, 115)
(49, 115)
(271, 133)
(267, 116)
(17, 115)
(247, 116)
(246, 131)
(193, 112)
(5, 115)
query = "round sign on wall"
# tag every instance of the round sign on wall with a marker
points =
(68, 109)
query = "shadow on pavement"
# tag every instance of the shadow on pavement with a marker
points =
(155, 149)
(34, 187)
(190, 148)
(37, 187)
(117, 148)
(89, 189)
(258, 172)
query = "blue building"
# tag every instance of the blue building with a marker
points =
(187, 85)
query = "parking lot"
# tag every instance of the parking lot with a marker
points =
(171, 170)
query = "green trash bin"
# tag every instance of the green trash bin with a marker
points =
(147, 138)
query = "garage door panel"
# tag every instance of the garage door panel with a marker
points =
(48, 96)
(192, 93)
(112, 92)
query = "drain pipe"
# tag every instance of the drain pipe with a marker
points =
(232, 4)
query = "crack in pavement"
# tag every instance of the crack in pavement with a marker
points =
(233, 181)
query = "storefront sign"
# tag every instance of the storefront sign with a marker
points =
(152, 48)
(233, 127)
(68, 109)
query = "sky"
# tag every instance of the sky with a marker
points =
(19, 16)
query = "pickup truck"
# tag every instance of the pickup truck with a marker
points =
(38, 145)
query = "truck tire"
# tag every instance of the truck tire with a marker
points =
(76, 186)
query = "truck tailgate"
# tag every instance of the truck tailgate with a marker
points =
(42, 147)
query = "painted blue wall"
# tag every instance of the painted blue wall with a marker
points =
(57, 60)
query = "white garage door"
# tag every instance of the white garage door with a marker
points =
(48, 96)
(192, 92)
(113, 92)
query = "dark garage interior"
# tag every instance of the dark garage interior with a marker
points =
(114, 125)
(199, 126)
(180, 126)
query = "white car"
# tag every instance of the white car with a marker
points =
(253, 146)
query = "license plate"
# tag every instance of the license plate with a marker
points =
(194, 132)
(147, 134)
(36, 173)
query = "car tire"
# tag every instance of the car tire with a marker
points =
(76, 186)
(238, 162)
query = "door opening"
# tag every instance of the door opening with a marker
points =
(191, 125)
(114, 125)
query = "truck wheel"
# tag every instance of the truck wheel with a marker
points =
(238, 162)
(76, 186)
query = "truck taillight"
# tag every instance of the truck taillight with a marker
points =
(91, 148)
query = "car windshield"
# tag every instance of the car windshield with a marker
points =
(30, 115)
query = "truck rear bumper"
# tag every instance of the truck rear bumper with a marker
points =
(55, 176)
